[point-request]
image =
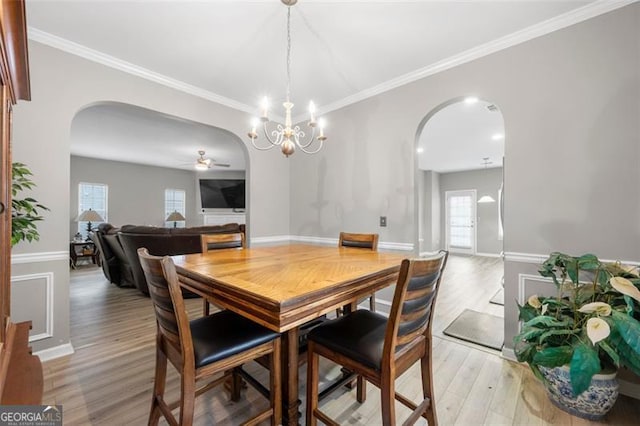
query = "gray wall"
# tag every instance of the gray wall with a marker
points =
(485, 182)
(429, 216)
(570, 102)
(136, 191)
(570, 105)
(62, 84)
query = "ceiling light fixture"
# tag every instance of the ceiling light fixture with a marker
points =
(486, 198)
(497, 136)
(471, 100)
(288, 137)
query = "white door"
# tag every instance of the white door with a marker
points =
(460, 221)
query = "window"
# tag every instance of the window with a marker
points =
(174, 202)
(92, 196)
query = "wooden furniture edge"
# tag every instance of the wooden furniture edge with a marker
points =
(21, 377)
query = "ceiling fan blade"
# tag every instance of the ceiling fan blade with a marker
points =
(221, 165)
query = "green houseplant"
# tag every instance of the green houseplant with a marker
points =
(24, 211)
(591, 325)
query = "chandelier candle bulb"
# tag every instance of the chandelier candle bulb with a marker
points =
(265, 108)
(312, 114)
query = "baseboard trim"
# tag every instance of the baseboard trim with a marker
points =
(55, 352)
(271, 239)
(508, 354)
(46, 256)
(487, 254)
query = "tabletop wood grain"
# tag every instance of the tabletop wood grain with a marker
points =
(284, 286)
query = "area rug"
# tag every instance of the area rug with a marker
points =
(477, 327)
(498, 298)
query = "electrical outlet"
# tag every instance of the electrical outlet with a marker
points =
(383, 221)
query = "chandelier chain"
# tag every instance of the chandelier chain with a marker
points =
(288, 53)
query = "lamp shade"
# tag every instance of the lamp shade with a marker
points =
(174, 217)
(486, 199)
(90, 216)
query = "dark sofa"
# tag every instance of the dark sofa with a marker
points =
(115, 264)
(164, 242)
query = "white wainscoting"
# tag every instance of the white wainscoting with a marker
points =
(49, 305)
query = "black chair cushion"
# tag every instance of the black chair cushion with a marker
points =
(224, 334)
(358, 335)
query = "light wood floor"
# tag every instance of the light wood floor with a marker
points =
(108, 380)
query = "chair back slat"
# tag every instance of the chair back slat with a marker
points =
(368, 241)
(412, 308)
(171, 316)
(222, 241)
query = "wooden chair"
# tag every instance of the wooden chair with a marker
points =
(203, 347)
(216, 242)
(363, 241)
(380, 349)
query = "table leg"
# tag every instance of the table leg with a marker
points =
(290, 401)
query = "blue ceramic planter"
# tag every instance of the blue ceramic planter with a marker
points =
(591, 404)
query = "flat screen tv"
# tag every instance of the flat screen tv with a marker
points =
(222, 193)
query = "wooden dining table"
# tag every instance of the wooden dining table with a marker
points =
(285, 286)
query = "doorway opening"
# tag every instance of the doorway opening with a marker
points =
(459, 159)
(460, 220)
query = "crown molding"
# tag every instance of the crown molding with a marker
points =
(575, 16)
(559, 22)
(121, 65)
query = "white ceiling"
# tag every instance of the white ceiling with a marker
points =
(233, 51)
(461, 136)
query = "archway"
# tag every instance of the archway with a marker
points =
(459, 158)
(163, 148)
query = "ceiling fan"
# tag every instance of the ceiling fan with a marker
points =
(206, 163)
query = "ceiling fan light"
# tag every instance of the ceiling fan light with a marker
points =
(201, 166)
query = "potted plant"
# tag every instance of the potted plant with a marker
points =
(24, 211)
(590, 327)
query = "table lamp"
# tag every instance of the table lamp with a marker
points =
(89, 216)
(175, 217)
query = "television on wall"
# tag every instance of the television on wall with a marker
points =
(222, 193)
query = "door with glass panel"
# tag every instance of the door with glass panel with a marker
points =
(460, 221)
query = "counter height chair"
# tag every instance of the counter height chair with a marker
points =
(202, 348)
(380, 349)
(363, 241)
(216, 242)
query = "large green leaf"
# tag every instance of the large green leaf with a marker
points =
(546, 321)
(524, 351)
(584, 364)
(527, 312)
(629, 329)
(615, 358)
(553, 356)
(588, 262)
(562, 332)
(627, 356)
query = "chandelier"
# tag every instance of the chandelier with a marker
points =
(288, 137)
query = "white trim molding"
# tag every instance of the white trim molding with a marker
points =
(55, 352)
(133, 69)
(487, 254)
(49, 306)
(540, 258)
(575, 16)
(46, 256)
(271, 239)
(550, 25)
(524, 257)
